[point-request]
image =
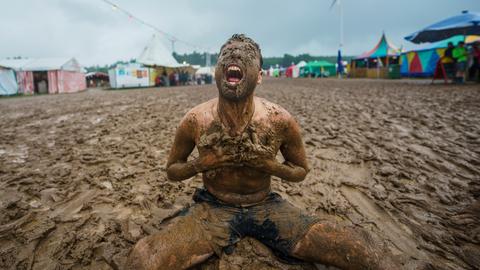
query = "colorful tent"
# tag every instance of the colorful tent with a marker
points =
(318, 69)
(376, 63)
(422, 60)
(289, 71)
(47, 75)
(382, 49)
(296, 69)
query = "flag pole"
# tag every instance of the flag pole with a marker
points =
(341, 38)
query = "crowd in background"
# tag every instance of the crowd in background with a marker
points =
(461, 62)
(182, 77)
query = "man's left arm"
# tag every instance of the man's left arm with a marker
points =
(295, 167)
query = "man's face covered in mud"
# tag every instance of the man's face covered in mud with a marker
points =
(238, 70)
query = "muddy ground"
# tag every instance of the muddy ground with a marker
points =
(82, 175)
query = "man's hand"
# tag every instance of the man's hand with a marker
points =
(213, 160)
(286, 171)
(262, 164)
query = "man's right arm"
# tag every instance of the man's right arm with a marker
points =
(178, 168)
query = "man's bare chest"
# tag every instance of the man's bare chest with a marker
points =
(258, 140)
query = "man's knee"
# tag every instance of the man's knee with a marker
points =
(342, 246)
(318, 236)
(165, 251)
(138, 256)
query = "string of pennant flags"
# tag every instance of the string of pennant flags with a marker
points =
(169, 36)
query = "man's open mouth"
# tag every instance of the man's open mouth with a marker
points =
(233, 74)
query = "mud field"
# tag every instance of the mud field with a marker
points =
(82, 175)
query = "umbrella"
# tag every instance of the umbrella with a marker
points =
(467, 23)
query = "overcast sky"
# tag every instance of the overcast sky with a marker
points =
(94, 33)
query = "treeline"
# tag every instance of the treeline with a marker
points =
(105, 68)
(286, 60)
(197, 58)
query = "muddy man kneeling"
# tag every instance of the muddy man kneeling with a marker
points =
(238, 136)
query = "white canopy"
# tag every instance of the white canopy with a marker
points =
(42, 64)
(301, 64)
(156, 54)
(205, 70)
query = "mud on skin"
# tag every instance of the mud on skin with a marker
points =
(81, 182)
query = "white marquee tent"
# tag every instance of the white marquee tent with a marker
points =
(157, 54)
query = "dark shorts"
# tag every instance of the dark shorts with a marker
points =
(274, 222)
(461, 66)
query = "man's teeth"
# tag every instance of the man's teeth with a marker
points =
(233, 68)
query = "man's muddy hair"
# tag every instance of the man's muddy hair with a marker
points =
(243, 38)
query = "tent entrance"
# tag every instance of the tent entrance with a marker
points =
(40, 82)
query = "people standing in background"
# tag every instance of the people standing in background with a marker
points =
(448, 61)
(176, 78)
(158, 81)
(165, 80)
(460, 54)
(171, 78)
(474, 71)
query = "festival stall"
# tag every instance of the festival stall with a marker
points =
(130, 75)
(422, 60)
(47, 75)
(318, 69)
(97, 79)
(377, 62)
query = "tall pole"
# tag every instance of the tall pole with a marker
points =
(173, 45)
(341, 34)
(207, 59)
(341, 23)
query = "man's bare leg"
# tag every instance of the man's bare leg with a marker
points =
(332, 244)
(179, 246)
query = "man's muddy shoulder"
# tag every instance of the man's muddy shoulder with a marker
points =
(274, 111)
(201, 112)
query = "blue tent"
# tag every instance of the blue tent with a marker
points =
(467, 23)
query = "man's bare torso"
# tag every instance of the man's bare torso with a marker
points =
(261, 138)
